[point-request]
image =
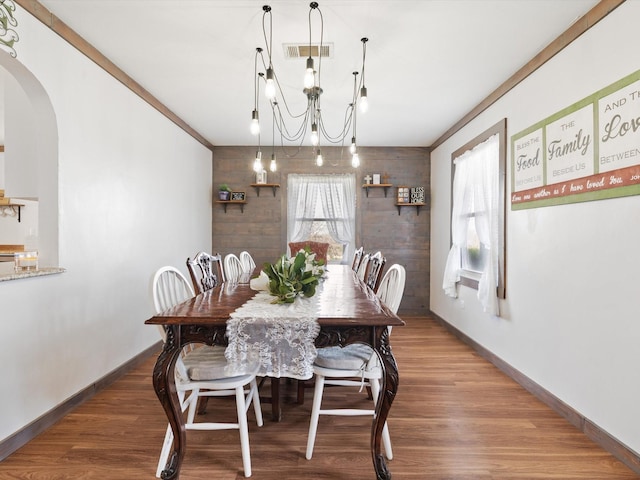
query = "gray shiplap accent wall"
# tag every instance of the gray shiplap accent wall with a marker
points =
(261, 229)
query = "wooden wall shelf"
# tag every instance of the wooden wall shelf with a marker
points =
(367, 186)
(417, 205)
(258, 186)
(232, 202)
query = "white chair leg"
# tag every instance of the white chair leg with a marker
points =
(386, 441)
(193, 405)
(386, 438)
(164, 454)
(315, 415)
(256, 402)
(244, 431)
(168, 439)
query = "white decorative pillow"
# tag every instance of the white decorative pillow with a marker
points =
(260, 283)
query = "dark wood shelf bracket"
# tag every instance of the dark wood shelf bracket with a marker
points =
(417, 205)
(258, 186)
(16, 207)
(367, 186)
(232, 202)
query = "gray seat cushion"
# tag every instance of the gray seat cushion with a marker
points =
(206, 363)
(351, 357)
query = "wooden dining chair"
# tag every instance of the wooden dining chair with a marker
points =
(206, 271)
(232, 268)
(357, 258)
(203, 371)
(321, 249)
(355, 365)
(375, 267)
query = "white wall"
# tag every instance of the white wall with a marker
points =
(20, 133)
(134, 193)
(571, 319)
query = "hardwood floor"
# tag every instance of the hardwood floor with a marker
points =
(455, 417)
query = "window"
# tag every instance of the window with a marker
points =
(474, 252)
(322, 208)
(476, 258)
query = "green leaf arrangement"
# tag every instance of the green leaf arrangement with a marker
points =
(290, 277)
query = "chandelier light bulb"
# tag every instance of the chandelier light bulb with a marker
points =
(257, 164)
(270, 87)
(355, 160)
(255, 123)
(319, 160)
(364, 101)
(273, 166)
(315, 139)
(352, 148)
(309, 78)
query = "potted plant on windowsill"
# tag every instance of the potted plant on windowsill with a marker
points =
(224, 192)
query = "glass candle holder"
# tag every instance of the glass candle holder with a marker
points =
(26, 261)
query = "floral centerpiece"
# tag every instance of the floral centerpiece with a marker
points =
(290, 277)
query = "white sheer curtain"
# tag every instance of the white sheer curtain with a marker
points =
(301, 207)
(475, 190)
(461, 203)
(336, 194)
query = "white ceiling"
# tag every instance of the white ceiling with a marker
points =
(428, 62)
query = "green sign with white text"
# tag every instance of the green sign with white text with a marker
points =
(588, 151)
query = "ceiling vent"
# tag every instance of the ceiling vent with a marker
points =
(294, 50)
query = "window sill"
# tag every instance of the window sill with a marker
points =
(31, 273)
(470, 279)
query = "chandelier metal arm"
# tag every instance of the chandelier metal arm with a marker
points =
(345, 128)
(284, 131)
(267, 11)
(282, 97)
(314, 7)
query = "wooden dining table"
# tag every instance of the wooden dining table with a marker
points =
(348, 312)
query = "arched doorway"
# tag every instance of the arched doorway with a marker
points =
(31, 151)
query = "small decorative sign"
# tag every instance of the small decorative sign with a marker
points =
(403, 194)
(376, 179)
(238, 196)
(261, 177)
(417, 194)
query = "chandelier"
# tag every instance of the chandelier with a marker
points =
(293, 127)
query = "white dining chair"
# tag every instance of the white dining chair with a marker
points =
(362, 268)
(248, 264)
(355, 365)
(203, 371)
(232, 268)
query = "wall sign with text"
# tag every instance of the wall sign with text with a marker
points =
(588, 151)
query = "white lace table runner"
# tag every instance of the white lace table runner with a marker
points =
(282, 336)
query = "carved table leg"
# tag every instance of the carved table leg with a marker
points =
(388, 392)
(165, 387)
